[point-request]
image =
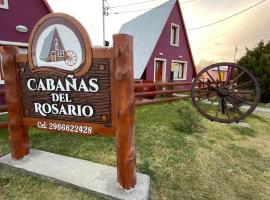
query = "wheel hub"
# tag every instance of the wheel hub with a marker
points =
(223, 92)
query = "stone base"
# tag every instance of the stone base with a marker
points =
(85, 175)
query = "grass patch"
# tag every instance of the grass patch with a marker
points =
(207, 160)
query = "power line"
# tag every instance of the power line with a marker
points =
(129, 11)
(238, 13)
(184, 2)
(131, 4)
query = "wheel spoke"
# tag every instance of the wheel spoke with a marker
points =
(211, 78)
(243, 84)
(241, 100)
(219, 75)
(235, 106)
(209, 105)
(229, 71)
(227, 112)
(241, 92)
(236, 79)
(217, 111)
(207, 84)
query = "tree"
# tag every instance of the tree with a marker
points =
(257, 60)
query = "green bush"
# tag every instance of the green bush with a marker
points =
(189, 120)
(257, 60)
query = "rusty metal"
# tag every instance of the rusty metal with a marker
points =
(229, 100)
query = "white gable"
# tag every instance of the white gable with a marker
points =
(146, 30)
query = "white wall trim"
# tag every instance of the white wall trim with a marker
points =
(185, 69)
(177, 36)
(164, 69)
(5, 6)
(20, 44)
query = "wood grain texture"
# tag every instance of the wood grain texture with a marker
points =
(18, 134)
(125, 134)
(3, 108)
(100, 101)
(2, 92)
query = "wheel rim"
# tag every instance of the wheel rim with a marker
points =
(225, 99)
(70, 58)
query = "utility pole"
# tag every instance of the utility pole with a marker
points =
(235, 52)
(104, 13)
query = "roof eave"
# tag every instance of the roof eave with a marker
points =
(48, 6)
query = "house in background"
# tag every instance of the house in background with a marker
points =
(217, 74)
(162, 51)
(17, 19)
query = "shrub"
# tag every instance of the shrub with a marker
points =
(189, 120)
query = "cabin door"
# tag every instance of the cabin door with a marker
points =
(159, 71)
(53, 56)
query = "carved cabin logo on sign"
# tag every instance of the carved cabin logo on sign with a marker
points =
(63, 82)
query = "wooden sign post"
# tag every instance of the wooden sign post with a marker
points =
(65, 85)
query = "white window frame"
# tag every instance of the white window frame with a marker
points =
(164, 69)
(185, 70)
(5, 6)
(61, 53)
(177, 34)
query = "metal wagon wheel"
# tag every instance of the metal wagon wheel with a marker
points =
(70, 58)
(229, 97)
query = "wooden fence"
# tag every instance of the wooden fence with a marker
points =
(141, 94)
(144, 90)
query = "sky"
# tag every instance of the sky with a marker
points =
(217, 42)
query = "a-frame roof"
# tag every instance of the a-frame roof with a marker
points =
(146, 30)
(45, 51)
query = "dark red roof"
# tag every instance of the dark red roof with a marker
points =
(26, 13)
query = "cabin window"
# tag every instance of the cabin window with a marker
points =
(174, 35)
(61, 53)
(56, 44)
(4, 4)
(179, 70)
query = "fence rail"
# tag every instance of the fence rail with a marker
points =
(139, 85)
(165, 89)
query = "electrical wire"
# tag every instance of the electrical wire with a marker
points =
(129, 11)
(222, 20)
(131, 4)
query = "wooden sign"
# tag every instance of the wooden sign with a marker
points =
(64, 84)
